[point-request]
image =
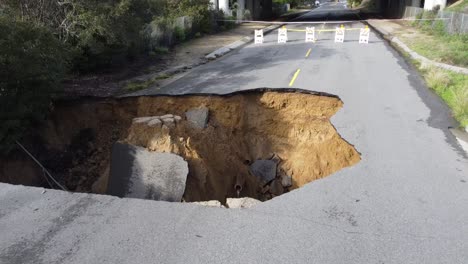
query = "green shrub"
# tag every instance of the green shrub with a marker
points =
(33, 63)
(179, 34)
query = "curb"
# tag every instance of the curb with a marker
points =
(414, 55)
(461, 136)
(459, 133)
(237, 44)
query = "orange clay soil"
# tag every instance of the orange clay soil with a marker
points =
(242, 127)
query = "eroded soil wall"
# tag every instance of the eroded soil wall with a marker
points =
(242, 127)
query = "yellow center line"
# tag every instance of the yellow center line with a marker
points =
(294, 77)
(308, 52)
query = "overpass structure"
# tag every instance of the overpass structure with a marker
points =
(262, 9)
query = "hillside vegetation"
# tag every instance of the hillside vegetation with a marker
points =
(42, 42)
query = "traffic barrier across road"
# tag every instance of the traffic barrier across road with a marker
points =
(259, 36)
(310, 34)
(282, 35)
(339, 34)
(364, 35)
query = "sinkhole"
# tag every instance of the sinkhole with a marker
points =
(258, 143)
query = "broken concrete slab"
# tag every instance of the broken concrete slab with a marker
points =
(138, 173)
(212, 203)
(245, 202)
(144, 119)
(264, 169)
(168, 121)
(167, 116)
(198, 117)
(155, 123)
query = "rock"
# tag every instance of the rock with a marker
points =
(138, 173)
(276, 188)
(213, 203)
(155, 123)
(286, 180)
(145, 119)
(276, 158)
(177, 118)
(166, 116)
(169, 121)
(245, 202)
(264, 169)
(266, 189)
(198, 117)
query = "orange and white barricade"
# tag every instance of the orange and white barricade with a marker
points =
(339, 34)
(310, 34)
(259, 36)
(364, 35)
(282, 35)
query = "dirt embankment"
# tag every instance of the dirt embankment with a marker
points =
(243, 127)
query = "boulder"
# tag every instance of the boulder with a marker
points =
(138, 173)
(198, 117)
(245, 202)
(265, 170)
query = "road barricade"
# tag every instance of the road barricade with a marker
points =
(364, 35)
(310, 34)
(259, 36)
(339, 34)
(282, 35)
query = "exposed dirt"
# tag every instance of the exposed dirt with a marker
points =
(243, 127)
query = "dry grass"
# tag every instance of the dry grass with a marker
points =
(452, 88)
(460, 104)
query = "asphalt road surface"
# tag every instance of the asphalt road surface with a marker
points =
(405, 202)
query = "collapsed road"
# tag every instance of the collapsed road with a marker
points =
(258, 143)
(405, 201)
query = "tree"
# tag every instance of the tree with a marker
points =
(33, 62)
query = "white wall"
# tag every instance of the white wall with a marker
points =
(224, 5)
(429, 4)
(240, 9)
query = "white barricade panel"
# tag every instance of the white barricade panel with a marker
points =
(364, 35)
(339, 35)
(310, 34)
(259, 36)
(282, 35)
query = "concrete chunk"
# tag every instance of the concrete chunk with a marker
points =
(177, 118)
(138, 173)
(145, 119)
(212, 203)
(264, 169)
(168, 121)
(166, 116)
(198, 117)
(155, 123)
(245, 202)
